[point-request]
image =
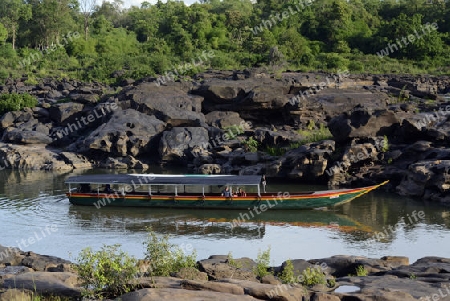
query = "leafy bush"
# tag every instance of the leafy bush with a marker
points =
(275, 151)
(288, 276)
(15, 102)
(262, 263)
(251, 144)
(108, 272)
(166, 258)
(313, 276)
(313, 134)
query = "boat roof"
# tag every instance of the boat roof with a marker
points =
(159, 179)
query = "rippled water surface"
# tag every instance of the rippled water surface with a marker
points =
(33, 205)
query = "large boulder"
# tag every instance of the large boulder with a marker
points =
(43, 262)
(390, 288)
(253, 99)
(10, 255)
(262, 291)
(179, 143)
(35, 156)
(128, 132)
(65, 113)
(27, 130)
(343, 265)
(431, 126)
(306, 162)
(10, 118)
(172, 294)
(54, 284)
(26, 137)
(169, 104)
(363, 122)
(221, 267)
(223, 119)
(428, 179)
(276, 137)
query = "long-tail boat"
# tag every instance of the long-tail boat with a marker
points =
(197, 191)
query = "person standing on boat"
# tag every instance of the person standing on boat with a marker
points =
(263, 182)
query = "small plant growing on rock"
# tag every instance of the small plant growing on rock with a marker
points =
(108, 272)
(251, 145)
(288, 276)
(262, 263)
(275, 151)
(385, 146)
(166, 258)
(232, 262)
(361, 271)
(313, 276)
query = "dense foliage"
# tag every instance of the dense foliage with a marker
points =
(103, 41)
(107, 272)
(165, 258)
(15, 102)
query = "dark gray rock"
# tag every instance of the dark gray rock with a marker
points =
(16, 117)
(428, 179)
(55, 283)
(222, 267)
(362, 122)
(26, 137)
(42, 262)
(172, 294)
(169, 104)
(127, 132)
(223, 119)
(389, 288)
(64, 113)
(178, 144)
(305, 162)
(343, 265)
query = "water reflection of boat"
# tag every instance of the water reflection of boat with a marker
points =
(214, 223)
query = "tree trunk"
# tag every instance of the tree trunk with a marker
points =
(86, 27)
(14, 36)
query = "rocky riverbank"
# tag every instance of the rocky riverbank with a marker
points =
(339, 129)
(23, 274)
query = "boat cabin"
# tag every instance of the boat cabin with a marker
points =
(158, 184)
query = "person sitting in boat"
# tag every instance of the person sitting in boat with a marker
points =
(84, 188)
(226, 192)
(241, 192)
(107, 189)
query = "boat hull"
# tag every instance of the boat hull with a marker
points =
(266, 201)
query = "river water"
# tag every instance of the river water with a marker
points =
(36, 216)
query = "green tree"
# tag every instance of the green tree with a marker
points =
(402, 33)
(86, 9)
(52, 19)
(11, 12)
(3, 34)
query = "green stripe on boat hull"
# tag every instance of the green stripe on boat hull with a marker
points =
(217, 202)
